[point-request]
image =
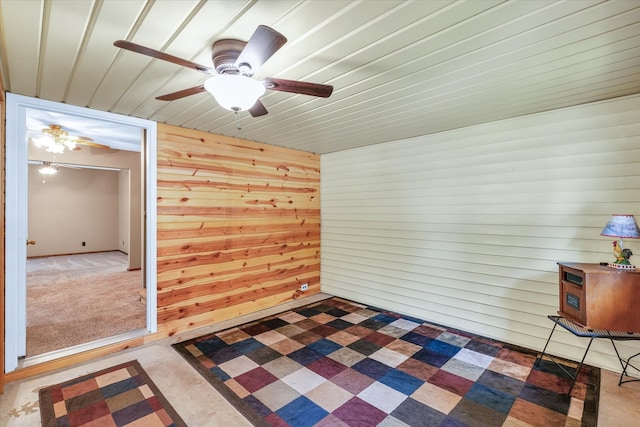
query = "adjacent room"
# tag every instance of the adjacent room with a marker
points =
(424, 213)
(79, 229)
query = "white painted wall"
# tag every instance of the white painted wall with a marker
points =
(464, 228)
(71, 207)
(130, 164)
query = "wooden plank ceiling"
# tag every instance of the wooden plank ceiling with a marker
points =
(399, 68)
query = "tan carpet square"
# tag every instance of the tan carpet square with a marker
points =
(287, 346)
(329, 396)
(510, 369)
(346, 356)
(343, 338)
(233, 336)
(276, 395)
(436, 397)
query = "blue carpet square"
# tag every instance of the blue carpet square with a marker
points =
(209, 346)
(384, 318)
(416, 339)
(371, 368)
(305, 356)
(400, 381)
(324, 346)
(546, 398)
(302, 412)
(501, 382)
(132, 412)
(247, 346)
(119, 387)
(224, 355)
(443, 348)
(452, 422)
(415, 413)
(487, 396)
(219, 373)
(431, 357)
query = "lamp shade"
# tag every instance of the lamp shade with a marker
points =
(234, 92)
(624, 226)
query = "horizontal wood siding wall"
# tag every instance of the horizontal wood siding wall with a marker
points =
(238, 227)
(465, 228)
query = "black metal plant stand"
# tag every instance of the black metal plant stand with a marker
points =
(581, 331)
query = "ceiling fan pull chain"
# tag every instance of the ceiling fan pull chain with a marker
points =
(237, 121)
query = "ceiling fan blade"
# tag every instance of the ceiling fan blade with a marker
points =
(90, 143)
(133, 47)
(264, 42)
(181, 93)
(258, 109)
(294, 86)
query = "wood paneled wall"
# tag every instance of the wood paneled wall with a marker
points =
(238, 227)
(465, 228)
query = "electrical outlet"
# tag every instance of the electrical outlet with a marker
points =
(304, 286)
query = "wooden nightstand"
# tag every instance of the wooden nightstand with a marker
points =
(600, 297)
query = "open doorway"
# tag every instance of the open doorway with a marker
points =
(80, 230)
(25, 114)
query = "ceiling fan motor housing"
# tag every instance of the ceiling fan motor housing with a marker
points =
(224, 54)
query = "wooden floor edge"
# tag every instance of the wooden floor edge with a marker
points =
(74, 359)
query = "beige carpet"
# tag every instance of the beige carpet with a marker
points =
(76, 299)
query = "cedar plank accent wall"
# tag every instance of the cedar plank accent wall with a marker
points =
(238, 227)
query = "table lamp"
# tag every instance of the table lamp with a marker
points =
(621, 226)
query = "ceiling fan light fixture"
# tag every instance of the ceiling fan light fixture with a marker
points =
(234, 92)
(54, 140)
(47, 169)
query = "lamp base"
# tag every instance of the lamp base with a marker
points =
(621, 266)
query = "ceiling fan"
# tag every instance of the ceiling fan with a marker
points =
(54, 139)
(235, 62)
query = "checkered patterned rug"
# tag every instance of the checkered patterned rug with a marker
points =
(339, 363)
(123, 395)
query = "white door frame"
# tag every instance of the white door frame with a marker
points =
(16, 214)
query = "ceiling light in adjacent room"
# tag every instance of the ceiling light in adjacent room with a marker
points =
(54, 140)
(48, 168)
